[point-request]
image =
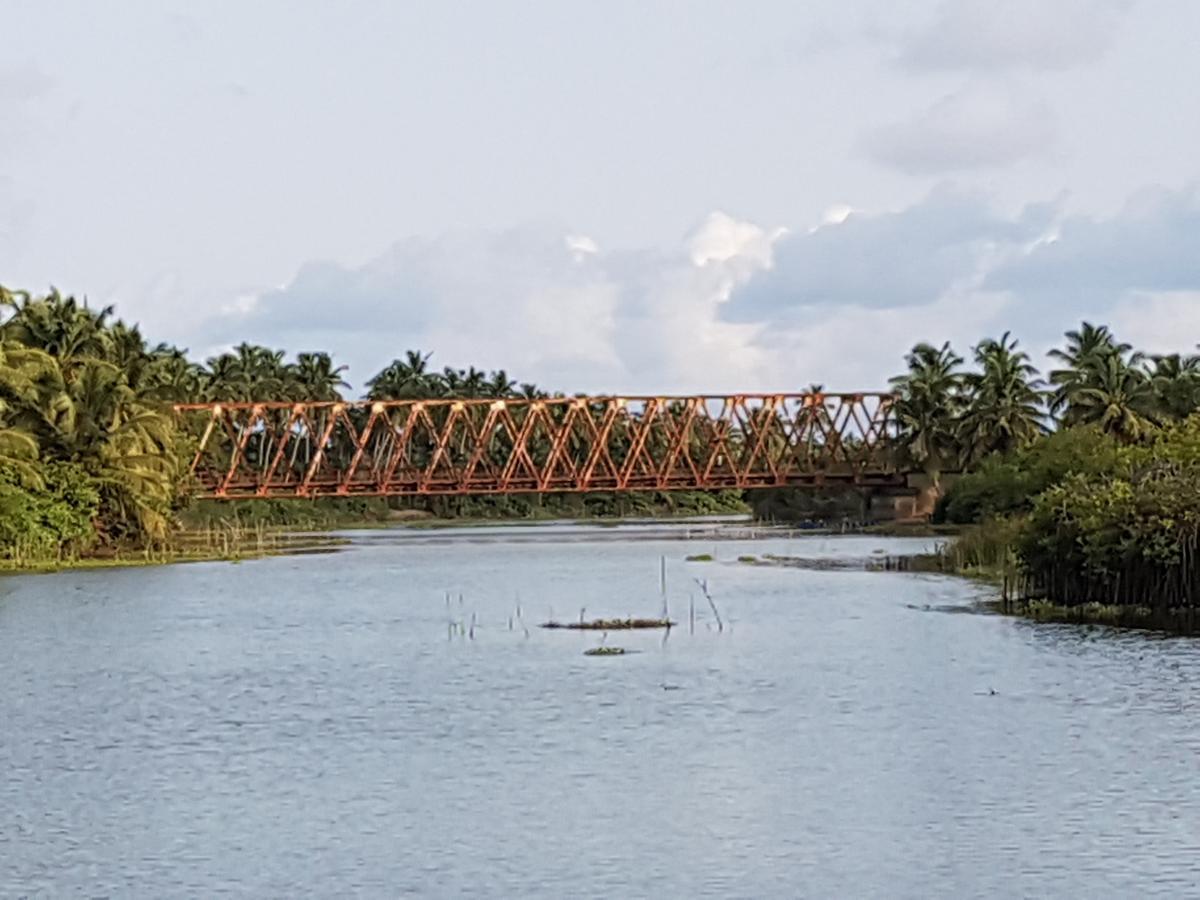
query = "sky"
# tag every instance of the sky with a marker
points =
(636, 196)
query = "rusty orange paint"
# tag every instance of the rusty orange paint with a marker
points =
(562, 444)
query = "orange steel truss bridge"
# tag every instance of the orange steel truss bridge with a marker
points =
(579, 444)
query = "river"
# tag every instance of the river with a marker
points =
(314, 725)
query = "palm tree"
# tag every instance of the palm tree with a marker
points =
(1116, 396)
(172, 377)
(21, 368)
(453, 382)
(500, 385)
(403, 379)
(1176, 382)
(59, 326)
(1004, 410)
(1084, 345)
(927, 406)
(316, 377)
(125, 444)
(19, 453)
(225, 379)
(529, 391)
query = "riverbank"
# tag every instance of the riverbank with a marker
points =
(209, 538)
(212, 545)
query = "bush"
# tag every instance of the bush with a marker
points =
(1124, 537)
(51, 520)
(1006, 486)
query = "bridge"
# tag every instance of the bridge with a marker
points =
(425, 447)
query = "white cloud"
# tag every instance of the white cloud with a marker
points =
(998, 34)
(1152, 245)
(908, 257)
(735, 306)
(722, 238)
(546, 306)
(1165, 322)
(851, 348)
(16, 216)
(581, 246)
(20, 82)
(975, 128)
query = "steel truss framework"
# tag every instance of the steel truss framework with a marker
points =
(431, 447)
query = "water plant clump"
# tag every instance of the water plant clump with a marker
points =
(605, 651)
(611, 624)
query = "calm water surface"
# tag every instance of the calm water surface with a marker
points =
(311, 726)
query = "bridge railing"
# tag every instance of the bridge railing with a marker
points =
(482, 446)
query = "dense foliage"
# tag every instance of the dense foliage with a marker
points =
(1091, 475)
(92, 457)
(1104, 507)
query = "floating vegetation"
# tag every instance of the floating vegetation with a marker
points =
(605, 651)
(699, 557)
(749, 560)
(612, 624)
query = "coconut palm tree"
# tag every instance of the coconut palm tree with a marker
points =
(60, 326)
(315, 377)
(172, 377)
(21, 370)
(500, 385)
(1176, 382)
(127, 445)
(1004, 409)
(18, 450)
(1084, 345)
(927, 406)
(1114, 395)
(403, 379)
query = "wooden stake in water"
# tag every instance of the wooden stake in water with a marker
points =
(662, 584)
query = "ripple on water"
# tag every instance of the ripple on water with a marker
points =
(312, 725)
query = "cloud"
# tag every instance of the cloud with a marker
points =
(1167, 322)
(543, 303)
(183, 28)
(21, 82)
(1151, 245)
(905, 258)
(952, 267)
(16, 215)
(734, 306)
(976, 128)
(1033, 34)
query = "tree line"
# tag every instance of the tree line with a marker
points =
(952, 418)
(91, 454)
(1086, 481)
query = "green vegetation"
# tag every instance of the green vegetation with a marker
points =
(1101, 513)
(804, 506)
(1083, 488)
(93, 463)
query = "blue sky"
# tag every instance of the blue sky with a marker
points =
(610, 196)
